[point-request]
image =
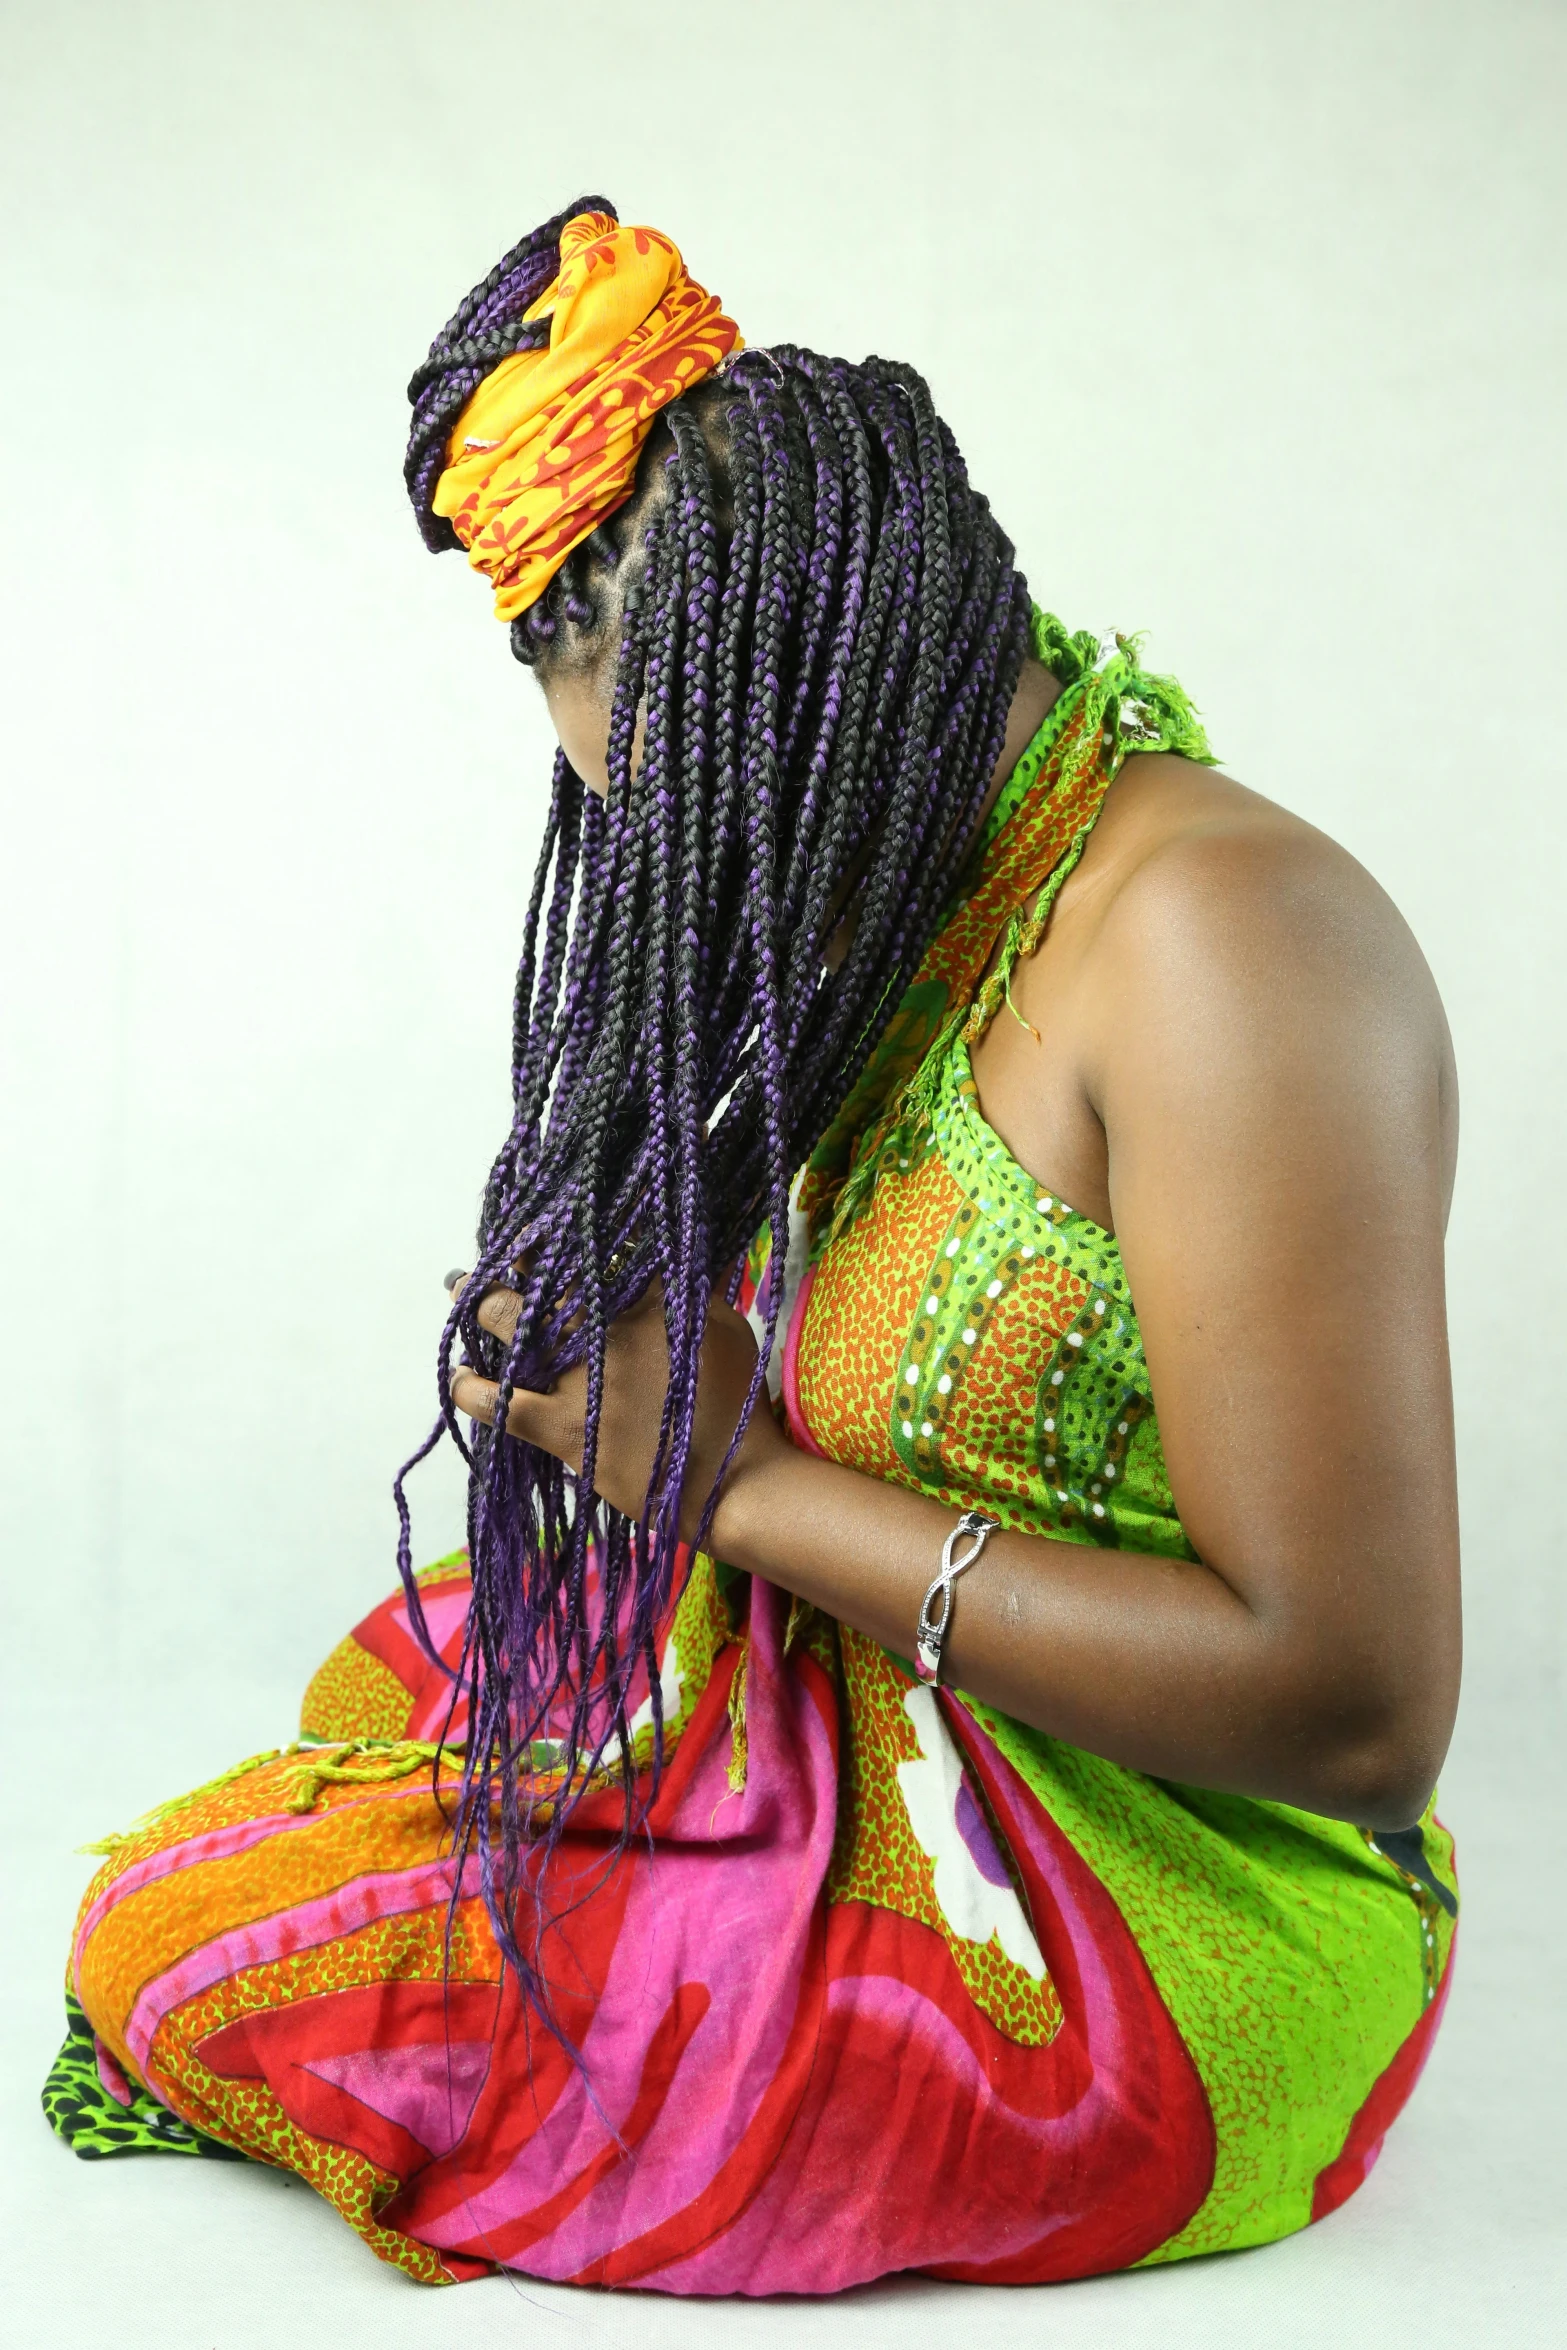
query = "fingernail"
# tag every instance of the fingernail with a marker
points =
(455, 1278)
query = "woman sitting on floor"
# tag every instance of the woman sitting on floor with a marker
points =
(694, 1884)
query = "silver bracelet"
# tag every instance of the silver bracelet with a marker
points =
(930, 1638)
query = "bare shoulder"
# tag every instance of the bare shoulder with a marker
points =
(1195, 868)
(1214, 927)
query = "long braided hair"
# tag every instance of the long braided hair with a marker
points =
(820, 625)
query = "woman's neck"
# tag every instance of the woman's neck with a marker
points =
(1037, 693)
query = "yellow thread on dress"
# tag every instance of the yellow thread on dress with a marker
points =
(379, 1763)
(738, 1749)
(382, 1760)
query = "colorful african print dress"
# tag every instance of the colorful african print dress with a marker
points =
(894, 1982)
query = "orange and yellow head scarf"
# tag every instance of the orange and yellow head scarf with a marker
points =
(548, 445)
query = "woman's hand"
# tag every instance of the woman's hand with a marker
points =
(636, 1379)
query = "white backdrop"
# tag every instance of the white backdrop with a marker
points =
(1249, 318)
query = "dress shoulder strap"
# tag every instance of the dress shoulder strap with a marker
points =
(1109, 705)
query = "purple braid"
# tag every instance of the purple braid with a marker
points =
(821, 628)
(487, 326)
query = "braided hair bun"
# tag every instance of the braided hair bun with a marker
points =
(487, 326)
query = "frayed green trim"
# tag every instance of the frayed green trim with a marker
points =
(1121, 708)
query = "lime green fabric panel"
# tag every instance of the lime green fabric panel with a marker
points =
(1291, 1956)
(1295, 1957)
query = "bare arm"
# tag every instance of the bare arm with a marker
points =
(1264, 1056)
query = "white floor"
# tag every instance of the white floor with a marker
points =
(1459, 2237)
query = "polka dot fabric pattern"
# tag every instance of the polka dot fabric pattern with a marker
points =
(89, 2103)
(860, 1302)
(889, 1981)
(879, 1858)
(1011, 1376)
(354, 1695)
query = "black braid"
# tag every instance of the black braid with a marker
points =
(822, 628)
(486, 327)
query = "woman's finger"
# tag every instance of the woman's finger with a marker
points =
(477, 1397)
(501, 1319)
(498, 1311)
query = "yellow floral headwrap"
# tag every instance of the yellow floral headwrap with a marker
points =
(548, 445)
